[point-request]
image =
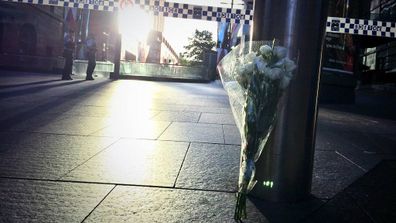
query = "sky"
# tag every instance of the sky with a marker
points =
(135, 24)
(177, 31)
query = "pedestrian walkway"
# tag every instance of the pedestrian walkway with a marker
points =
(145, 151)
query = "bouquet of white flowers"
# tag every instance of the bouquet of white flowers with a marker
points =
(254, 77)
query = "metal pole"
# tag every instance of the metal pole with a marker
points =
(87, 23)
(117, 58)
(287, 161)
(115, 75)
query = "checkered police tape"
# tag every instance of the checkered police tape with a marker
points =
(187, 11)
(168, 9)
(101, 5)
(361, 27)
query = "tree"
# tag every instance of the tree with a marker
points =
(201, 42)
(184, 61)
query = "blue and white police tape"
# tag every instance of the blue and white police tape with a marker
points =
(158, 8)
(361, 27)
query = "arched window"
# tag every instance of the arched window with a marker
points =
(27, 39)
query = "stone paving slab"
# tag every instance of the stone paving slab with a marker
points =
(231, 135)
(181, 116)
(332, 212)
(169, 107)
(41, 156)
(375, 192)
(332, 173)
(371, 198)
(361, 147)
(226, 119)
(140, 129)
(194, 102)
(216, 110)
(113, 113)
(43, 201)
(137, 204)
(39, 140)
(33, 123)
(194, 132)
(74, 125)
(288, 212)
(138, 162)
(219, 172)
(350, 121)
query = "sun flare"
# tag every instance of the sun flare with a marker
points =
(134, 23)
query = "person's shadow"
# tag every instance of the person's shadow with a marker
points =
(72, 98)
(35, 89)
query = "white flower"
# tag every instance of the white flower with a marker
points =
(280, 52)
(280, 63)
(274, 73)
(285, 82)
(289, 65)
(240, 70)
(249, 57)
(248, 68)
(265, 50)
(260, 63)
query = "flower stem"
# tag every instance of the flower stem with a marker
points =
(240, 208)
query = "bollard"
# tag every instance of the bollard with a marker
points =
(284, 170)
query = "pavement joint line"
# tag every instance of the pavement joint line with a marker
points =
(199, 118)
(57, 134)
(100, 202)
(198, 142)
(172, 121)
(361, 208)
(350, 161)
(65, 134)
(224, 137)
(152, 118)
(46, 133)
(230, 124)
(159, 135)
(130, 138)
(181, 165)
(92, 133)
(96, 154)
(117, 184)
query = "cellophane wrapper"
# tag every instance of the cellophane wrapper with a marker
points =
(255, 75)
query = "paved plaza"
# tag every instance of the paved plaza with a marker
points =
(147, 151)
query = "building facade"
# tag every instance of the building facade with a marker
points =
(31, 36)
(353, 61)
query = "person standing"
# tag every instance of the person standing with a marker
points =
(69, 45)
(91, 54)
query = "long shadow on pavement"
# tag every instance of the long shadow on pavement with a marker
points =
(36, 111)
(278, 212)
(31, 90)
(371, 198)
(27, 84)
